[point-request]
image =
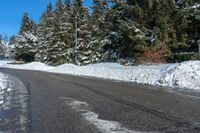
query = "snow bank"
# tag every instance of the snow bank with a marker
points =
(183, 75)
(4, 63)
(139, 74)
(3, 89)
(30, 66)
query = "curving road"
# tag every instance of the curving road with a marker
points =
(135, 107)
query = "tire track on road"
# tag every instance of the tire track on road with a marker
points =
(180, 124)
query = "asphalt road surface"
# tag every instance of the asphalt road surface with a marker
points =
(136, 107)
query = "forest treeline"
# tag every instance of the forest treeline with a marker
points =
(132, 30)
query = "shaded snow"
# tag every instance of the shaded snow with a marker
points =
(183, 75)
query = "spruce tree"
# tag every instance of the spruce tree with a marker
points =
(27, 25)
(60, 30)
(64, 30)
(108, 31)
(193, 18)
(3, 47)
(97, 30)
(112, 30)
(56, 34)
(46, 35)
(82, 49)
(27, 41)
(123, 33)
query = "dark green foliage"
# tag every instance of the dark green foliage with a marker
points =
(22, 55)
(27, 25)
(56, 35)
(45, 35)
(180, 57)
(151, 25)
(2, 47)
(72, 33)
(25, 49)
(193, 29)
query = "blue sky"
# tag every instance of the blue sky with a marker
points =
(11, 12)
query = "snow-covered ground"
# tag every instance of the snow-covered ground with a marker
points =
(181, 75)
(3, 89)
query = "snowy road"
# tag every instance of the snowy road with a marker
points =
(68, 104)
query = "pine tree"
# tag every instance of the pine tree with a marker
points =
(64, 30)
(27, 40)
(97, 30)
(123, 34)
(68, 28)
(46, 35)
(193, 18)
(106, 33)
(70, 33)
(57, 34)
(27, 25)
(82, 50)
(60, 32)
(134, 27)
(3, 46)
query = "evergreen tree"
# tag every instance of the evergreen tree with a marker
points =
(64, 30)
(112, 30)
(108, 36)
(60, 55)
(82, 48)
(27, 25)
(193, 19)
(46, 35)
(122, 32)
(3, 47)
(57, 34)
(27, 41)
(164, 21)
(98, 29)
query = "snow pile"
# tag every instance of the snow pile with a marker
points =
(4, 64)
(3, 89)
(30, 66)
(183, 75)
(139, 74)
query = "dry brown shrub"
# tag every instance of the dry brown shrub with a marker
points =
(154, 56)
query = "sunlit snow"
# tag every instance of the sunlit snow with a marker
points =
(4, 88)
(180, 75)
